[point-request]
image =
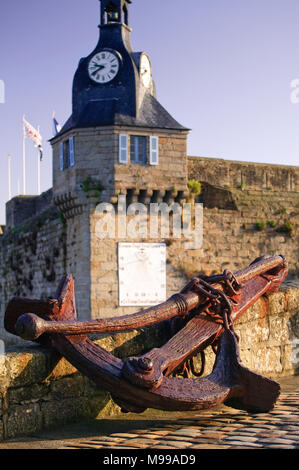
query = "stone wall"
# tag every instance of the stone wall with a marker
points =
(39, 391)
(21, 208)
(32, 258)
(260, 224)
(249, 175)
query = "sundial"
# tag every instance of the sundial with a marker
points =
(142, 273)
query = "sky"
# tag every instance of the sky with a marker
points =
(223, 68)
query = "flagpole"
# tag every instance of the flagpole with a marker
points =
(9, 177)
(38, 170)
(24, 159)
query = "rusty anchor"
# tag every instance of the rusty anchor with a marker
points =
(202, 314)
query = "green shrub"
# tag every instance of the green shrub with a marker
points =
(88, 185)
(287, 227)
(194, 188)
(260, 225)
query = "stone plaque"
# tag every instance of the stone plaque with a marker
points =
(142, 274)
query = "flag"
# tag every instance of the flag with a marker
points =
(56, 126)
(34, 135)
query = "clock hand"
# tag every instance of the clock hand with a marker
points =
(100, 67)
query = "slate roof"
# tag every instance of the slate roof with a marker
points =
(105, 112)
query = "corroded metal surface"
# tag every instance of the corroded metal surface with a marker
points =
(205, 311)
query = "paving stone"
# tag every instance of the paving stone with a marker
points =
(210, 446)
(138, 444)
(123, 447)
(174, 437)
(187, 433)
(252, 430)
(235, 443)
(242, 438)
(161, 432)
(108, 439)
(213, 434)
(277, 441)
(150, 436)
(177, 444)
(281, 446)
(159, 446)
(240, 442)
(294, 437)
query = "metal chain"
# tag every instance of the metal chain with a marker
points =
(218, 308)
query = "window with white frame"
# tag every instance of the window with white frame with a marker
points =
(67, 154)
(138, 149)
(138, 152)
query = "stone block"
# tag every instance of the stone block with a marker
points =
(27, 394)
(67, 387)
(277, 303)
(63, 411)
(27, 366)
(62, 369)
(279, 329)
(266, 360)
(292, 296)
(22, 420)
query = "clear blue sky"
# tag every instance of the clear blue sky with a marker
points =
(221, 67)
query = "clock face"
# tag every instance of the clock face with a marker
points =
(103, 67)
(145, 71)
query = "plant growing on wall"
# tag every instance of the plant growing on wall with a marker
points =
(260, 225)
(287, 227)
(91, 188)
(194, 189)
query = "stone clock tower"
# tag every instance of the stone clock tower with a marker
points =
(119, 140)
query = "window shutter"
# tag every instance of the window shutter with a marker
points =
(123, 148)
(71, 152)
(61, 156)
(154, 150)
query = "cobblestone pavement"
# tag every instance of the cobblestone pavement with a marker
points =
(221, 428)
